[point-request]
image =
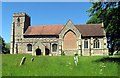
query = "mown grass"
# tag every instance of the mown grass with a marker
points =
(57, 66)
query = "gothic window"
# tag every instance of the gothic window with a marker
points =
(54, 47)
(85, 43)
(70, 41)
(29, 47)
(96, 43)
(18, 21)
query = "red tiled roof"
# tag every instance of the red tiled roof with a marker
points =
(44, 30)
(85, 30)
(91, 29)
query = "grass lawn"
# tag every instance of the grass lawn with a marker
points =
(57, 66)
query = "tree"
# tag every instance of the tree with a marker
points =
(3, 47)
(7, 47)
(94, 20)
(0, 45)
(109, 14)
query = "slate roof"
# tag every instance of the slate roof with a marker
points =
(85, 30)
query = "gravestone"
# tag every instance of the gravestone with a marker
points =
(76, 59)
(23, 61)
(32, 59)
(50, 54)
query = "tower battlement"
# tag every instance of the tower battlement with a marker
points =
(19, 14)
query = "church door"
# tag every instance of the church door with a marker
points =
(47, 51)
(38, 51)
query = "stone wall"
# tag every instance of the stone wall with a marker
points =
(103, 50)
(35, 42)
(69, 40)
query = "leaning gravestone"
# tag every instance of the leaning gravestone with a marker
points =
(32, 59)
(23, 61)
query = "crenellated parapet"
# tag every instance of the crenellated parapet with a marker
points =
(19, 14)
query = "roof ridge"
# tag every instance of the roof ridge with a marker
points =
(46, 25)
(90, 24)
(85, 30)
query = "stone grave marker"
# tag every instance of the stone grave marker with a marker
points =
(23, 61)
(32, 59)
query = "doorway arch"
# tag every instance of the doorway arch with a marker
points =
(47, 51)
(38, 51)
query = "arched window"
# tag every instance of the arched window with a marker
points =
(18, 21)
(54, 47)
(70, 41)
(85, 43)
(29, 47)
(96, 43)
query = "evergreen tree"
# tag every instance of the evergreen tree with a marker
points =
(3, 48)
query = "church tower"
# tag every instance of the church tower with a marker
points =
(20, 23)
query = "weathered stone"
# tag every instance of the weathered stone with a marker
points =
(32, 59)
(69, 40)
(23, 61)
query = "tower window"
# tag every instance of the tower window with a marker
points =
(18, 21)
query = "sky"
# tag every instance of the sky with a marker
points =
(44, 13)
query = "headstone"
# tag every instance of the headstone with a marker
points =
(114, 53)
(32, 59)
(50, 54)
(23, 61)
(76, 59)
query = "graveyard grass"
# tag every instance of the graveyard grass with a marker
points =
(57, 66)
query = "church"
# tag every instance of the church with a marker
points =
(56, 39)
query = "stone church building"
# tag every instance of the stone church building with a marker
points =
(57, 39)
